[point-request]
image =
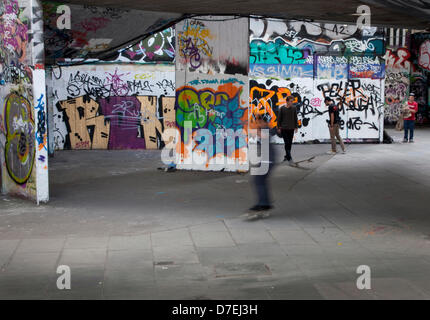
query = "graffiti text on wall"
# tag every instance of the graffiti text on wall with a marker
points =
(20, 144)
(424, 55)
(156, 48)
(13, 45)
(366, 67)
(113, 84)
(278, 52)
(193, 43)
(396, 82)
(134, 122)
(353, 95)
(214, 110)
(320, 37)
(267, 98)
(41, 134)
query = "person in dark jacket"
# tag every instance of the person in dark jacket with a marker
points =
(287, 125)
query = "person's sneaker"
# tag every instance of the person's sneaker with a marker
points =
(285, 158)
(343, 151)
(260, 208)
(405, 140)
(331, 152)
(256, 208)
(264, 208)
(292, 163)
(257, 211)
(411, 141)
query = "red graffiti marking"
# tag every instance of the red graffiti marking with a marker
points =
(170, 124)
(424, 58)
(363, 74)
(398, 59)
(316, 102)
(95, 23)
(82, 145)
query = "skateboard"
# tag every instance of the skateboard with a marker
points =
(254, 215)
(306, 160)
(298, 166)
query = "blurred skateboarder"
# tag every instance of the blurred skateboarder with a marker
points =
(260, 179)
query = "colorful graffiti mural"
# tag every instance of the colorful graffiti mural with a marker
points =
(13, 32)
(267, 96)
(277, 52)
(212, 90)
(424, 55)
(310, 61)
(14, 68)
(292, 49)
(332, 67)
(398, 68)
(22, 113)
(366, 67)
(107, 107)
(193, 43)
(419, 78)
(20, 145)
(321, 38)
(198, 48)
(220, 109)
(159, 47)
(360, 102)
(94, 30)
(115, 123)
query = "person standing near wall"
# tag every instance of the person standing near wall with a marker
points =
(287, 124)
(409, 111)
(334, 122)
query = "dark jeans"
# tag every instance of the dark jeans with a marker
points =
(261, 181)
(287, 135)
(409, 126)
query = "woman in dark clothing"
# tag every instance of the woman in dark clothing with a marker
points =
(288, 124)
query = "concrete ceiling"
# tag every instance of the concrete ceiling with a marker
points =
(391, 13)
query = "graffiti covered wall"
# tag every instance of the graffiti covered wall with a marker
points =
(398, 68)
(218, 109)
(212, 47)
(311, 61)
(93, 30)
(212, 94)
(360, 105)
(159, 47)
(23, 135)
(420, 70)
(112, 106)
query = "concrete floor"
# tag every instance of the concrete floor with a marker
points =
(128, 230)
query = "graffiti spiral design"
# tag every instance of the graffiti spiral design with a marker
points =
(20, 146)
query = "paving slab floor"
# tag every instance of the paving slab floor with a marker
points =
(129, 231)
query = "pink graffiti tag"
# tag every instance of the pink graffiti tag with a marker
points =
(117, 85)
(170, 124)
(316, 102)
